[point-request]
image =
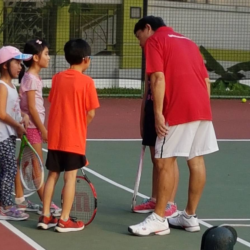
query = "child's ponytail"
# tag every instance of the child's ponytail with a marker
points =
(21, 74)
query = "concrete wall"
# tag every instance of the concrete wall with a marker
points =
(223, 2)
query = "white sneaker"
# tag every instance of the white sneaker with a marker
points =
(151, 225)
(185, 221)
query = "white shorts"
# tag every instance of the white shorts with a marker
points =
(187, 140)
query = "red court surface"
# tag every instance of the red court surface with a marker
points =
(119, 119)
(10, 241)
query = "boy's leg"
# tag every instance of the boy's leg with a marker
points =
(49, 191)
(65, 223)
(197, 182)
(68, 193)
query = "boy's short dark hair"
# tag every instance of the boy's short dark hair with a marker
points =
(75, 50)
(153, 21)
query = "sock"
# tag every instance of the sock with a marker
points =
(159, 217)
(47, 215)
(171, 203)
(19, 200)
(65, 219)
(188, 216)
(153, 199)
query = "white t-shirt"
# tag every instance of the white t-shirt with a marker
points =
(12, 109)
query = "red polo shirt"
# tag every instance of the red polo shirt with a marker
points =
(186, 96)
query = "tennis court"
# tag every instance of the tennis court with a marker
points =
(113, 163)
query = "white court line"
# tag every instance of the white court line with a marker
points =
(21, 235)
(226, 219)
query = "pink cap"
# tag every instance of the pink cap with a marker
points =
(10, 52)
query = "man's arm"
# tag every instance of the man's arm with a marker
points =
(158, 91)
(208, 86)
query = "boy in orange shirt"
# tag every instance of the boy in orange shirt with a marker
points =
(73, 101)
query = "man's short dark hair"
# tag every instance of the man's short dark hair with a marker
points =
(153, 21)
(75, 50)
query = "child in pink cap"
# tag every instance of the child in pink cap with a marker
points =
(11, 127)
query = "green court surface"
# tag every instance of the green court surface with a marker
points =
(226, 197)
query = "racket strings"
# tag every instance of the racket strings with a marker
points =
(84, 203)
(31, 172)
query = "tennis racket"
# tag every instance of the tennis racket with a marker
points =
(138, 178)
(31, 168)
(84, 205)
(26, 193)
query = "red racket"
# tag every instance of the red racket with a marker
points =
(84, 206)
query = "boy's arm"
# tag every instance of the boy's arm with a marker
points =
(90, 116)
(143, 105)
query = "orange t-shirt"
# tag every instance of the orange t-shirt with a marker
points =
(72, 95)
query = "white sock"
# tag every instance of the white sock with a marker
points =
(159, 217)
(19, 200)
(188, 215)
(153, 199)
(171, 203)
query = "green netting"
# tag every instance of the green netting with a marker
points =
(219, 27)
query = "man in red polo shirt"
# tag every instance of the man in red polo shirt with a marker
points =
(183, 119)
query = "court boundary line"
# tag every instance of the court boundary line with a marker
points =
(21, 235)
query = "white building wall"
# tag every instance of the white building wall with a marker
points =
(221, 27)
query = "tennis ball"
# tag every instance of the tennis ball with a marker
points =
(244, 100)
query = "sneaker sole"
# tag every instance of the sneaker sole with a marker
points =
(30, 210)
(12, 218)
(27, 209)
(164, 232)
(66, 230)
(143, 211)
(44, 226)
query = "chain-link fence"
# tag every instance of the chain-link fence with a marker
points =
(220, 27)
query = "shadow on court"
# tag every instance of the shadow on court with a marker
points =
(227, 183)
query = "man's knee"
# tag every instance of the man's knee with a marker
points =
(165, 164)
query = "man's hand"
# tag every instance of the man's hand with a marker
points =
(160, 125)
